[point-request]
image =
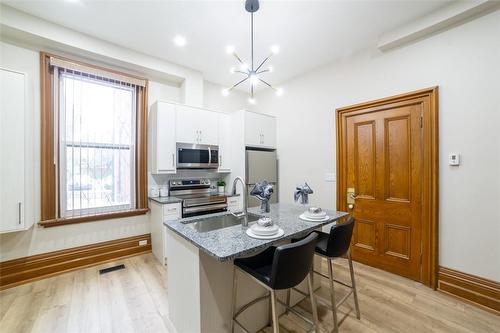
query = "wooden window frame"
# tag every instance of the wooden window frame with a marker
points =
(49, 215)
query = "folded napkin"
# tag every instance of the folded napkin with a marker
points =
(302, 194)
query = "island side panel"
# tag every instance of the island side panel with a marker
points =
(216, 280)
(183, 273)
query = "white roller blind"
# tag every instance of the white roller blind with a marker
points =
(99, 73)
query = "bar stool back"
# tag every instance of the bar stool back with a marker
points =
(279, 268)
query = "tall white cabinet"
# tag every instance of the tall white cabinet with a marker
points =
(13, 147)
(162, 143)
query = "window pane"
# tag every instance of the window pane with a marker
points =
(97, 150)
(97, 178)
(97, 112)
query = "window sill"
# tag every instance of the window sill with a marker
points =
(92, 218)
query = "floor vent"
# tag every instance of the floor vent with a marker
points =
(111, 269)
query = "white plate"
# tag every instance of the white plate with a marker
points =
(263, 231)
(306, 218)
(314, 217)
(280, 233)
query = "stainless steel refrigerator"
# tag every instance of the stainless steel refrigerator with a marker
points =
(261, 165)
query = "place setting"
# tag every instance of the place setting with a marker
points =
(265, 228)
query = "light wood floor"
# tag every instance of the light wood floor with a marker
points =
(133, 300)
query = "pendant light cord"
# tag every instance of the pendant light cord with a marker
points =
(252, 38)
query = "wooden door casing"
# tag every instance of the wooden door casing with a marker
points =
(387, 152)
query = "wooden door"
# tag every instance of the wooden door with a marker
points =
(382, 160)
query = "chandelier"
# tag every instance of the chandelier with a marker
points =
(250, 72)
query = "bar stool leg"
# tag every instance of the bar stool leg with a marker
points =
(313, 302)
(287, 300)
(353, 284)
(332, 295)
(233, 300)
(276, 324)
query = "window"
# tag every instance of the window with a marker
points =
(93, 143)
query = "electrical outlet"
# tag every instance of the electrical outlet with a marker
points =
(143, 242)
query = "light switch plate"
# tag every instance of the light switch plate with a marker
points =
(330, 177)
(454, 159)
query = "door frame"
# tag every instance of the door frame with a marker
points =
(430, 180)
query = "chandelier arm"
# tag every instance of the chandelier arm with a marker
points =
(238, 83)
(237, 71)
(267, 84)
(237, 57)
(263, 62)
(252, 90)
(262, 71)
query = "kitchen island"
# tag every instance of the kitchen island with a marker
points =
(200, 267)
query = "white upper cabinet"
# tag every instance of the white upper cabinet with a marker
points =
(13, 146)
(260, 130)
(197, 126)
(162, 134)
(224, 143)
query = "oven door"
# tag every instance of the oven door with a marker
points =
(191, 156)
(203, 210)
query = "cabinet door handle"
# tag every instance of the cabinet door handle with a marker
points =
(173, 159)
(220, 161)
(19, 213)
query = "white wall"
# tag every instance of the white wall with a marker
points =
(213, 99)
(465, 63)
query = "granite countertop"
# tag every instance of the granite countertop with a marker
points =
(232, 242)
(165, 200)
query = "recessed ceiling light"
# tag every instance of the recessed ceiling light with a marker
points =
(180, 40)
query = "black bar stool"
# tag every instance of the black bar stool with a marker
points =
(278, 268)
(334, 245)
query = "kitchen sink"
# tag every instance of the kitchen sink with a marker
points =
(220, 222)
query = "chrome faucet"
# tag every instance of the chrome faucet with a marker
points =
(244, 212)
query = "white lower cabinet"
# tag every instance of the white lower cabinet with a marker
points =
(14, 148)
(161, 213)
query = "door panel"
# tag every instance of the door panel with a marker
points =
(383, 163)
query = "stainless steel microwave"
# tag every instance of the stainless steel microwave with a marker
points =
(193, 156)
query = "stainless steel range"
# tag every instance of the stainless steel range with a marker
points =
(197, 196)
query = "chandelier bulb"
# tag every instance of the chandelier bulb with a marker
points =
(232, 70)
(279, 92)
(230, 49)
(270, 69)
(275, 49)
(254, 79)
(252, 100)
(225, 92)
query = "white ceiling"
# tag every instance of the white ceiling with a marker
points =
(309, 33)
